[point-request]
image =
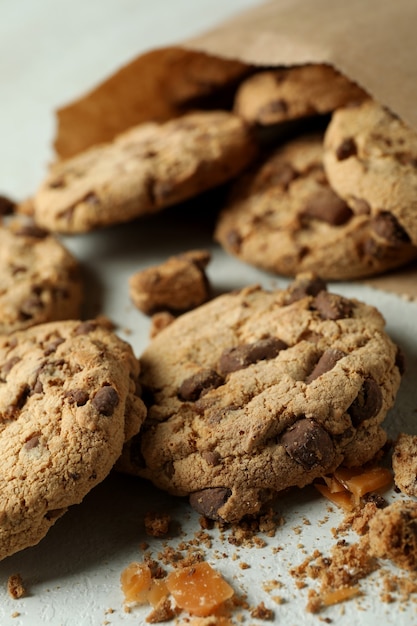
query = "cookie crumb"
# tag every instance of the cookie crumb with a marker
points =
(177, 285)
(393, 534)
(15, 586)
(163, 612)
(157, 524)
(261, 612)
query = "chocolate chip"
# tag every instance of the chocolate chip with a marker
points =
(105, 400)
(326, 362)
(375, 498)
(332, 306)
(305, 286)
(346, 149)
(77, 396)
(367, 404)
(53, 345)
(8, 365)
(85, 328)
(236, 358)
(207, 502)
(212, 458)
(199, 384)
(280, 176)
(275, 106)
(7, 205)
(308, 444)
(328, 207)
(32, 442)
(386, 226)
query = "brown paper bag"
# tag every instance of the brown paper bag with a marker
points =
(370, 41)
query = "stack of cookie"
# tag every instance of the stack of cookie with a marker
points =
(340, 201)
(253, 392)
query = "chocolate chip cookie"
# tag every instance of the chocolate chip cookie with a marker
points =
(68, 402)
(145, 169)
(285, 218)
(40, 280)
(258, 391)
(289, 93)
(370, 160)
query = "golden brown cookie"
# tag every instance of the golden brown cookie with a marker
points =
(68, 401)
(258, 391)
(145, 169)
(40, 280)
(285, 218)
(289, 93)
(370, 160)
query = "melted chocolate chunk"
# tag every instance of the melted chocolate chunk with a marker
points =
(32, 442)
(77, 396)
(386, 226)
(367, 404)
(238, 357)
(105, 400)
(332, 306)
(207, 502)
(195, 386)
(326, 362)
(346, 149)
(212, 458)
(308, 444)
(328, 207)
(280, 176)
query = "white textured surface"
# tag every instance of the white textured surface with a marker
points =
(50, 53)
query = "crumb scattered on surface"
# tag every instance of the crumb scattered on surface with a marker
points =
(157, 524)
(262, 612)
(15, 586)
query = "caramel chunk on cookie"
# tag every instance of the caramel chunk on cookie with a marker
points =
(68, 402)
(257, 391)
